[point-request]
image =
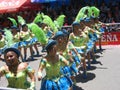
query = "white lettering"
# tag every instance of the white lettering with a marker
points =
(103, 39)
(17, 2)
(109, 38)
(11, 3)
(115, 38)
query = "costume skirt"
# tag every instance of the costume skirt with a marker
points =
(76, 59)
(33, 40)
(69, 70)
(90, 45)
(49, 34)
(66, 70)
(25, 43)
(102, 30)
(2, 49)
(63, 83)
(16, 45)
(93, 37)
(80, 51)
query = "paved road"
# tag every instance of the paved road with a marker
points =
(105, 75)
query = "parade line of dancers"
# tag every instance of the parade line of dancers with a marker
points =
(66, 51)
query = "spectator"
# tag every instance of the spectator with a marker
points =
(109, 18)
(117, 14)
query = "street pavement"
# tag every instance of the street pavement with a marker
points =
(104, 75)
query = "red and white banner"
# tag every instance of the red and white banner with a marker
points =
(10, 5)
(111, 38)
(108, 38)
(7, 6)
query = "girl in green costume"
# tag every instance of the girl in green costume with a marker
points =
(90, 32)
(49, 33)
(97, 26)
(65, 48)
(25, 36)
(79, 40)
(17, 72)
(16, 38)
(52, 62)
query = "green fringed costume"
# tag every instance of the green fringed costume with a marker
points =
(19, 80)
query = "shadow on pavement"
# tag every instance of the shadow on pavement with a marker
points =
(88, 69)
(77, 88)
(91, 68)
(101, 68)
(90, 76)
(38, 55)
(96, 62)
(98, 56)
(100, 51)
(29, 60)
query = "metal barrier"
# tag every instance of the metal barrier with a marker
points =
(109, 28)
(113, 27)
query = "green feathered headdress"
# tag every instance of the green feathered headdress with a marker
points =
(13, 21)
(56, 24)
(8, 38)
(39, 33)
(47, 20)
(95, 11)
(38, 18)
(60, 21)
(80, 16)
(21, 20)
(86, 11)
(83, 13)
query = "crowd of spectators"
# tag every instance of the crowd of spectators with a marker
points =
(109, 12)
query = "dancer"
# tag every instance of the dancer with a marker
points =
(17, 72)
(52, 62)
(79, 40)
(25, 36)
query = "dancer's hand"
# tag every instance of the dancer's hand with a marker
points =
(39, 78)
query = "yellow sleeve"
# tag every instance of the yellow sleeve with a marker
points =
(43, 62)
(29, 69)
